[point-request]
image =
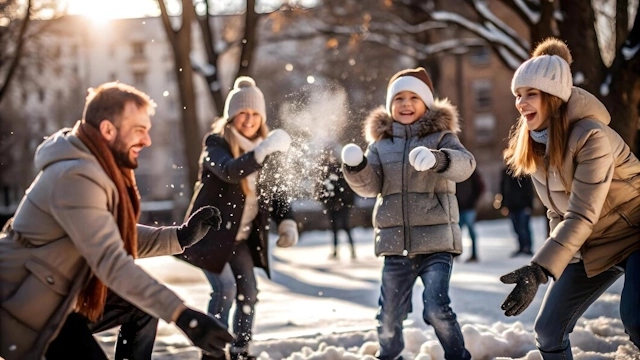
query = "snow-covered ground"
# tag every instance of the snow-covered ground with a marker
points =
(319, 308)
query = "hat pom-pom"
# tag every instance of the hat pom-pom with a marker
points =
(244, 82)
(553, 46)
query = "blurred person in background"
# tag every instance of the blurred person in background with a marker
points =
(516, 201)
(337, 199)
(468, 193)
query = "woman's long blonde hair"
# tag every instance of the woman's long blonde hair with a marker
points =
(221, 126)
(523, 155)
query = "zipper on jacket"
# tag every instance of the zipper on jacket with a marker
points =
(553, 204)
(405, 190)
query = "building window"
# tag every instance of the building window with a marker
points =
(484, 126)
(139, 78)
(480, 56)
(74, 50)
(41, 95)
(138, 48)
(482, 90)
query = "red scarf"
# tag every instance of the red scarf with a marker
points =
(93, 297)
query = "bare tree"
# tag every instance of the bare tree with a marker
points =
(185, 67)
(12, 39)
(180, 40)
(216, 45)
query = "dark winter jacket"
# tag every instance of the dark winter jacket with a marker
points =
(469, 192)
(219, 185)
(335, 193)
(63, 231)
(517, 193)
(416, 212)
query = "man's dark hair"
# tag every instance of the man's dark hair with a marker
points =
(108, 100)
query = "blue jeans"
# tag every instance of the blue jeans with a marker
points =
(520, 220)
(468, 219)
(398, 276)
(569, 297)
(236, 281)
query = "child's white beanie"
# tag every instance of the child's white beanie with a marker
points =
(415, 80)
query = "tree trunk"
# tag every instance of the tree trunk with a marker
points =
(212, 78)
(249, 39)
(181, 44)
(622, 103)
(16, 59)
(578, 30)
(190, 129)
(544, 28)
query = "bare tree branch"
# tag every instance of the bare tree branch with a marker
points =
(18, 53)
(488, 17)
(526, 10)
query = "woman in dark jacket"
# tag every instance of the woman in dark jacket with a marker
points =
(230, 178)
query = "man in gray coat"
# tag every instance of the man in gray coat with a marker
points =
(67, 257)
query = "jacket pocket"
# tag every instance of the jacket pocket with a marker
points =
(39, 295)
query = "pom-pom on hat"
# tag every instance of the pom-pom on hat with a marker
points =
(414, 80)
(244, 95)
(548, 70)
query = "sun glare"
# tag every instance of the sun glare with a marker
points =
(101, 12)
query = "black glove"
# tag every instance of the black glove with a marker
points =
(527, 279)
(198, 225)
(206, 332)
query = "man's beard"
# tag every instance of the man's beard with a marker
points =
(121, 154)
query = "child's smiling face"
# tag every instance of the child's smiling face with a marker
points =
(407, 107)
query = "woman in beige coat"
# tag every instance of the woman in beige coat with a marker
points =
(589, 181)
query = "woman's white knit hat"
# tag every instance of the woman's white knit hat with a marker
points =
(548, 73)
(244, 95)
(548, 70)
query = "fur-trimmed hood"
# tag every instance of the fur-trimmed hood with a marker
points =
(442, 116)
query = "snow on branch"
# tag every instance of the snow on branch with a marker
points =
(532, 16)
(482, 8)
(507, 56)
(395, 25)
(422, 51)
(491, 33)
(405, 27)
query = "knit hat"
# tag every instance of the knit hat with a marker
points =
(548, 70)
(244, 95)
(414, 80)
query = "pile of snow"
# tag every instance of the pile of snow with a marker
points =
(314, 307)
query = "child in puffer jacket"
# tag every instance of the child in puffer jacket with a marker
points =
(412, 165)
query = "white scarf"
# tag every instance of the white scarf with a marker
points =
(250, 209)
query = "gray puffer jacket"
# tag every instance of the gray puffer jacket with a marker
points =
(416, 212)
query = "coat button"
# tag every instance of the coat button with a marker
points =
(50, 279)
